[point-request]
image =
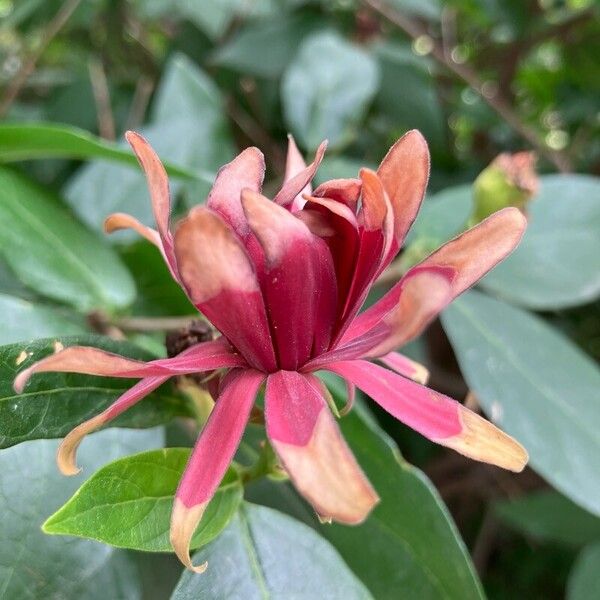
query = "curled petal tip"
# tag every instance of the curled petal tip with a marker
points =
(21, 380)
(184, 521)
(66, 457)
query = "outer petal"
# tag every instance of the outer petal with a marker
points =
(293, 187)
(247, 170)
(404, 172)
(405, 366)
(429, 286)
(434, 415)
(67, 451)
(93, 361)
(298, 282)
(158, 185)
(309, 444)
(217, 274)
(212, 455)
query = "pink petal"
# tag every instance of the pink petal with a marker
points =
(158, 185)
(432, 284)
(404, 173)
(346, 191)
(66, 457)
(247, 170)
(93, 361)
(293, 166)
(433, 415)
(212, 455)
(298, 281)
(221, 281)
(293, 187)
(309, 444)
(405, 366)
(376, 234)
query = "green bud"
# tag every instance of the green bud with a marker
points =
(510, 180)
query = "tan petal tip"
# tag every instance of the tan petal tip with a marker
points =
(66, 456)
(483, 441)
(184, 521)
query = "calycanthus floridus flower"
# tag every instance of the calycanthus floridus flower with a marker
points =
(283, 281)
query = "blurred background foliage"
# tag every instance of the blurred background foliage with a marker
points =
(204, 79)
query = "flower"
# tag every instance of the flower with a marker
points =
(283, 282)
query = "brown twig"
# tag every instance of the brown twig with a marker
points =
(495, 100)
(154, 323)
(28, 65)
(106, 122)
(140, 101)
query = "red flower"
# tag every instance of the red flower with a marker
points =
(283, 281)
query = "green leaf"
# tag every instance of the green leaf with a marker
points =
(27, 141)
(128, 503)
(536, 385)
(415, 103)
(35, 565)
(23, 320)
(265, 554)
(549, 516)
(53, 403)
(584, 579)
(187, 126)
(327, 89)
(442, 216)
(556, 264)
(55, 255)
(266, 47)
(409, 542)
(339, 167)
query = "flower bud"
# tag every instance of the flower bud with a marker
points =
(509, 180)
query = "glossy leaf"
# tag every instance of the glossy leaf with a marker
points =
(409, 544)
(187, 126)
(265, 554)
(327, 89)
(27, 141)
(24, 320)
(53, 403)
(556, 265)
(534, 384)
(55, 255)
(548, 516)
(128, 503)
(35, 565)
(584, 579)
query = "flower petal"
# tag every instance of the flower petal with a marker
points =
(405, 366)
(429, 286)
(66, 457)
(158, 185)
(206, 356)
(217, 272)
(307, 440)
(294, 186)
(298, 281)
(247, 170)
(346, 191)
(212, 455)
(437, 417)
(404, 173)
(294, 165)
